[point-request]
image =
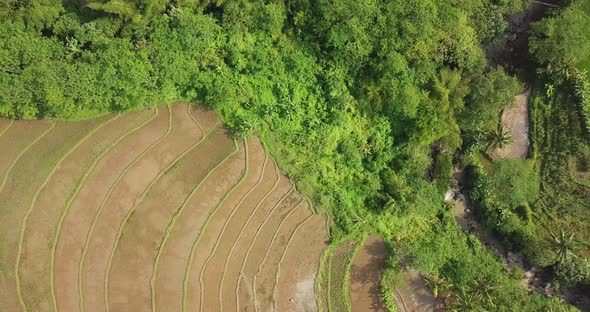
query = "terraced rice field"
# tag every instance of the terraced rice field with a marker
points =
(332, 282)
(155, 210)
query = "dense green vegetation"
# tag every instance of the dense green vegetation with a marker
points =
(540, 206)
(362, 102)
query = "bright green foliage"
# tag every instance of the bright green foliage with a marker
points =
(498, 138)
(490, 93)
(564, 41)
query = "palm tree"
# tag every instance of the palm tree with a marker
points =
(498, 138)
(466, 300)
(564, 244)
(483, 288)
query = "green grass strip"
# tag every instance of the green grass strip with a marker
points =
(75, 194)
(322, 302)
(220, 298)
(218, 241)
(195, 244)
(6, 129)
(172, 223)
(278, 274)
(274, 236)
(252, 244)
(123, 224)
(13, 163)
(30, 210)
(90, 233)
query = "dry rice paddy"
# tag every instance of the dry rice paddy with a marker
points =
(155, 210)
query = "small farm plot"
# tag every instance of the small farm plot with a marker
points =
(154, 210)
(365, 275)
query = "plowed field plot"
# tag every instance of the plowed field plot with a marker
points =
(155, 210)
(365, 275)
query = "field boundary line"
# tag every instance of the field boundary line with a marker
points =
(90, 233)
(278, 274)
(218, 240)
(123, 224)
(5, 129)
(278, 175)
(190, 114)
(210, 216)
(75, 194)
(274, 236)
(13, 163)
(34, 203)
(237, 290)
(176, 215)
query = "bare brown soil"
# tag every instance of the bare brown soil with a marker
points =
(232, 266)
(84, 205)
(208, 237)
(39, 229)
(365, 275)
(265, 277)
(258, 248)
(213, 270)
(4, 125)
(414, 295)
(160, 208)
(25, 178)
(295, 289)
(133, 262)
(516, 120)
(124, 192)
(176, 252)
(15, 139)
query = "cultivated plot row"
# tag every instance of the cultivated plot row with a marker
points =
(156, 210)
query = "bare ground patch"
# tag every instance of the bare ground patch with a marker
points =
(515, 119)
(365, 275)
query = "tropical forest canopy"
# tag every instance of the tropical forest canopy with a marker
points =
(364, 103)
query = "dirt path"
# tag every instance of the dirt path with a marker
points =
(365, 275)
(515, 119)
